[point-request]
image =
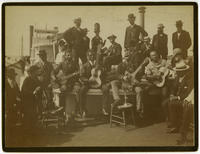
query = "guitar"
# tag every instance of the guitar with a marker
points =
(94, 80)
(133, 75)
(62, 79)
(160, 83)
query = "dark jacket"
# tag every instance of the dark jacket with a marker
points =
(11, 93)
(132, 35)
(115, 50)
(95, 42)
(45, 71)
(74, 37)
(86, 44)
(29, 102)
(86, 70)
(159, 44)
(184, 41)
(182, 89)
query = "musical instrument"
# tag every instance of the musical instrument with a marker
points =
(62, 79)
(95, 80)
(160, 82)
(133, 75)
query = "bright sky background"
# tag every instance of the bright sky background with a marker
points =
(113, 19)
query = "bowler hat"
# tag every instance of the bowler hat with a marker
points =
(179, 23)
(42, 52)
(11, 72)
(131, 15)
(112, 36)
(77, 20)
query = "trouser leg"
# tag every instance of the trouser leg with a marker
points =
(82, 94)
(75, 55)
(115, 89)
(105, 97)
(139, 105)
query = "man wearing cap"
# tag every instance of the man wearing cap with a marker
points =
(181, 39)
(12, 102)
(133, 33)
(74, 36)
(159, 42)
(180, 89)
(113, 55)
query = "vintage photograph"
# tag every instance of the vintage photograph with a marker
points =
(99, 75)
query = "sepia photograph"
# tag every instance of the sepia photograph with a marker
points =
(100, 76)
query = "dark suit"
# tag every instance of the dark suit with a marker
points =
(183, 42)
(114, 56)
(29, 102)
(159, 44)
(85, 48)
(95, 42)
(75, 38)
(132, 35)
(182, 90)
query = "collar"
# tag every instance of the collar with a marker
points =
(132, 25)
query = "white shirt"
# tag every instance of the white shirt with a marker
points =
(59, 57)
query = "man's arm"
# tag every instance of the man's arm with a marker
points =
(144, 33)
(126, 39)
(188, 40)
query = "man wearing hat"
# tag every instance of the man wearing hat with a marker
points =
(133, 33)
(180, 89)
(12, 103)
(74, 36)
(44, 68)
(181, 39)
(159, 42)
(113, 55)
(96, 40)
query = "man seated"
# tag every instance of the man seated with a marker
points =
(113, 55)
(154, 72)
(85, 78)
(182, 86)
(64, 77)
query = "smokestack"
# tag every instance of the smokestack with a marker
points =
(142, 19)
(31, 37)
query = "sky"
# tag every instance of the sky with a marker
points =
(113, 20)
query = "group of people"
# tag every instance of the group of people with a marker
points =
(143, 69)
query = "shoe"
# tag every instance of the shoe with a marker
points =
(104, 112)
(56, 110)
(173, 130)
(83, 115)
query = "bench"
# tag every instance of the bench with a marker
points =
(93, 101)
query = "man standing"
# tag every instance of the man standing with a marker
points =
(44, 70)
(133, 33)
(159, 42)
(181, 39)
(74, 36)
(113, 55)
(85, 47)
(96, 40)
(12, 103)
